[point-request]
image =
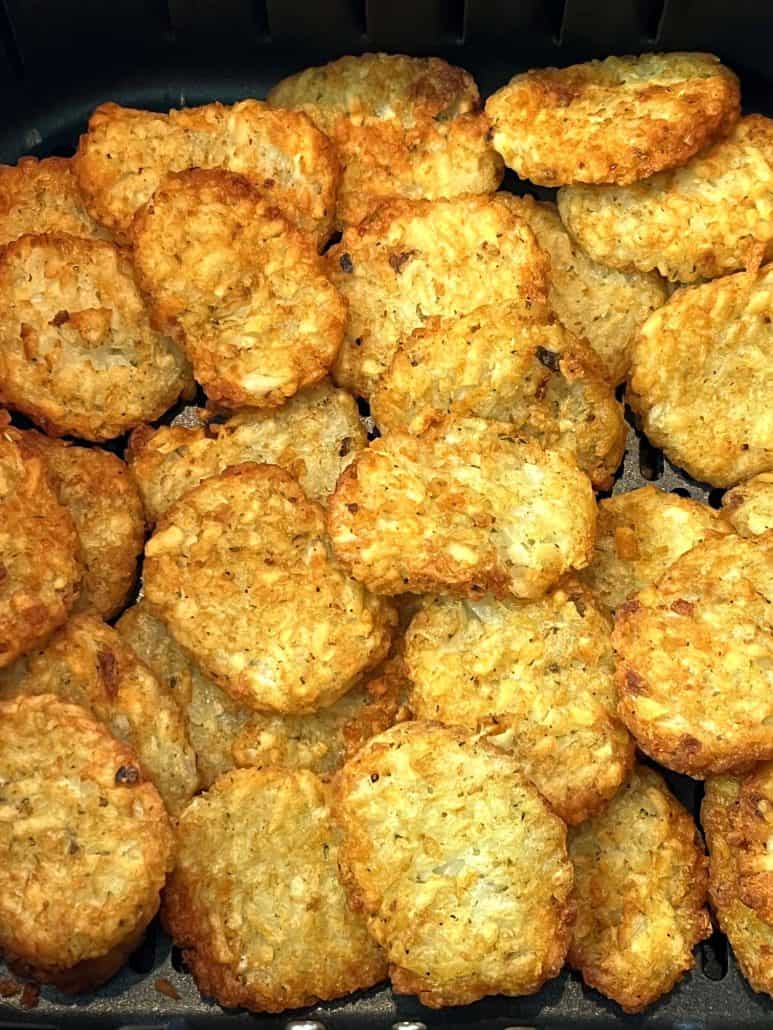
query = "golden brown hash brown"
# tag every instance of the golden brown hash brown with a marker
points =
(125, 154)
(457, 862)
(414, 259)
(712, 216)
(40, 573)
(78, 354)
(225, 734)
(753, 831)
(602, 305)
(500, 362)
(695, 659)
(465, 508)
(402, 126)
(537, 679)
(240, 569)
(42, 197)
(99, 493)
(314, 436)
(641, 533)
(640, 888)
(750, 938)
(242, 288)
(87, 663)
(254, 900)
(702, 377)
(613, 121)
(748, 507)
(85, 844)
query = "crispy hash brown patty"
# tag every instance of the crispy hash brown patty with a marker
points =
(126, 153)
(465, 508)
(87, 663)
(254, 900)
(85, 844)
(537, 679)
(749, 507)
(99, 493)
(640, 534)
(402, 126)
(78, 354)
(754, 830)
(243, 287)
(750, 938)
(712, 216)
(612, 121)
(40, 573)
(459, 865)
(602, 305)
(500, 363)
(640, 888)
(43, 197)
(240, 570)
(702, 378)
(227, 735)
(314, 436)
(414, 259)
(695, 668)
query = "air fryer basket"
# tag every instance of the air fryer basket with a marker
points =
(59, 59)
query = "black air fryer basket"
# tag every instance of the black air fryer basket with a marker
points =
(59, 59)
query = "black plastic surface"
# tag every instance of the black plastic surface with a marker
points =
(58, 59)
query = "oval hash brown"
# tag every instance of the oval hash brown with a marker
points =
(245, 290)
(85, 845)
(457, 862)
(314, 436)
(613, 121)
(254, 900)
(534, 678)
(125, 154)
(695, 659)
(40, 572)
(410, 260)
(240, 571)
(43, 197)
(78, 354)
(402, 126)
(640, 886)
(467, 507)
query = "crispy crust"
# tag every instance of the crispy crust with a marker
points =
(106, 508)
(313, 437)
(601, 305)
(641, 879)
(457, 862)
(467, 507)
(255, 902)
(713, 216)
(748, 507)
(537, 680)
(77, 352)
(242, 288)
(639, 535)
(500, 362)
(695, 669)
(42, 197)
(85, 843)
(40, 573)
(613, 121)
(88, 664)
(701, 377)
(414, 259)
(125, 154)
(240, 571)
(750, 938)
(402, 126)
(754, 828)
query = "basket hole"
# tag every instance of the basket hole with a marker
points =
(681, 491)
(650, 460)
(715, 497)
(714, 957)
(177, 960)
(143, 958)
